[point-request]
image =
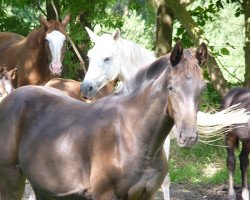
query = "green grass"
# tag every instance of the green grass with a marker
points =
(202, 164)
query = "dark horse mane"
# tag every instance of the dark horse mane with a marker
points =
(154, 69)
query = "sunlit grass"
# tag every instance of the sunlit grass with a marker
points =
(202, 164)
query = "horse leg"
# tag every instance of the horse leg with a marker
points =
(230, 145)
(107, 195)
(12, 183)
(166, 183)
(244, 162)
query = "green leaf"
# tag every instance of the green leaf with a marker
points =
(224, 51)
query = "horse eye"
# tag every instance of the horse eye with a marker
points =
(107, 59)
(171, 88)
(189, 77)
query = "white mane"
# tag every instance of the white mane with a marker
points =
(133, 57)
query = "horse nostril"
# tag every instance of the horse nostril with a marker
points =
(194, 138)
(181, 140)
(90, 88)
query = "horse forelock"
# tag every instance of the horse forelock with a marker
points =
(37, 36)
(189, 64)
(55, 25)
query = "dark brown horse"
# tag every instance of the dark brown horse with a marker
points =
(107, 150)
(5, 81)
(72, 88)
(37, 56)
(236, 96)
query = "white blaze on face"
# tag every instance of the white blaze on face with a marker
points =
(56, 41)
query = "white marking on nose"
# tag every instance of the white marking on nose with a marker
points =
(56, 40)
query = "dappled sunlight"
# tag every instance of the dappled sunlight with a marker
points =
(211, 169)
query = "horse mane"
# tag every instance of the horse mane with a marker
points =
(153, 70)
(148, 72)
(135, 52)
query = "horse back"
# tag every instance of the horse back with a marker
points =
(11, 45)
(239, 96)
(6, 37)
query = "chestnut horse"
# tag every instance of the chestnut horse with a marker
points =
(236, 96)
(5, 81)
(72, 88)
(38, 56)
(109, 149)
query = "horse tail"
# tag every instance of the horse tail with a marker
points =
(232, 115)
(210, 125)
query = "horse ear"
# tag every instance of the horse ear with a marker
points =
(91, 34)
(1, 69)
(176, 54)
(116, 34)
(201, 54)
(44, 21)
(12, 74)
(65, 21)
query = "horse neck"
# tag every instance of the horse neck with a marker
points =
(35, 53)
(35, 44)
(133, 57)
(148, 104)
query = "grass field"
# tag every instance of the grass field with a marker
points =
(202, 164)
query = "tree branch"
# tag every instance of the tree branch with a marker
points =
(197, 36)
(54, 7)
(82, 63)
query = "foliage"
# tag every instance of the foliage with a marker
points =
(141, 33)
(210, 99)
(224, 31)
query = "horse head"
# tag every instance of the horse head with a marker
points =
(55, 42)
(5, 81)
(104, 62)
(185, 84)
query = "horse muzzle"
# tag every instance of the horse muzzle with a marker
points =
(56, 69)
(186, 138)
(88, 91)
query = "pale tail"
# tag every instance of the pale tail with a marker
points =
(212, 126)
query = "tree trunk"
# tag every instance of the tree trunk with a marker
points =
(246, 8)
(180, 13)
(164, 28)
(51, 14)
